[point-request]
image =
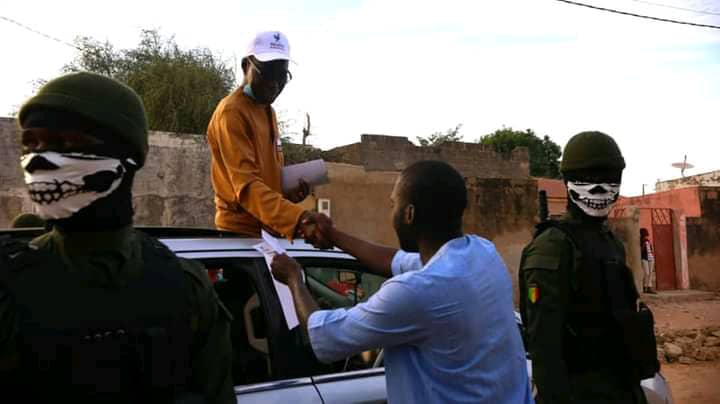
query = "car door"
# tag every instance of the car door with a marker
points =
(356, 387)
(338, 284)
(296, 376)
(295, 391)
(243, 285)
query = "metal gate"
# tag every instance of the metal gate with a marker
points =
(662, 229)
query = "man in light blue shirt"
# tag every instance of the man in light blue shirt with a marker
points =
(445, 318)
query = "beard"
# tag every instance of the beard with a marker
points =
(406, 234)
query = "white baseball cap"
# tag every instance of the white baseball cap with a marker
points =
(269, 45)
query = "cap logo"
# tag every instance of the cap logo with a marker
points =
(277, 44)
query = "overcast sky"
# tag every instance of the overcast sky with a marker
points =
(409, 68)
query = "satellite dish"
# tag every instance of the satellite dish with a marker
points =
(683, 166)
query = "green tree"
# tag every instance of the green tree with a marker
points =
(438, 138)
(180, 88)
(544, 153)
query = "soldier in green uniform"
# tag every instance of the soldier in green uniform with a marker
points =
(588, 339)
(93, 310)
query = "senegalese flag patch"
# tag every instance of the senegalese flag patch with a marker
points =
(533, 293)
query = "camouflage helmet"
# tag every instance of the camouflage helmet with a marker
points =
(591, 150)
(105, 101)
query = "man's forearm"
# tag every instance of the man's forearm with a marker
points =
(377, 258)
(304, 303)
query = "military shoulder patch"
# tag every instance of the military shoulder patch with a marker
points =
(533, 293)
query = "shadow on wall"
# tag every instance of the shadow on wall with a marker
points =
(627, 229)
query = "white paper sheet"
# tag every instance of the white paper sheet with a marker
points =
(314, 172)
(269, 247)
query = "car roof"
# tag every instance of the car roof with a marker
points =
(191, 242)
(204, 247)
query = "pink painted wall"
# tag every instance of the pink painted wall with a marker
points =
(685, 199)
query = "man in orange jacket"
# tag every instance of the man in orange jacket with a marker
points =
(247, 157)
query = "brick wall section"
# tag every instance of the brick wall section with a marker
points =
(392, 153)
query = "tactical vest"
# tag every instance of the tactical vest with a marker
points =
(83, 343)
(604, 328)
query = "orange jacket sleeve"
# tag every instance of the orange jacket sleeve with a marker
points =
(237, 149)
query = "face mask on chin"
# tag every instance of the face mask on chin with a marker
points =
(594, 199)
(61, 184)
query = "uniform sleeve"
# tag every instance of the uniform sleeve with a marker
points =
(237, 150)
(544, 289)
(211, 356)
(390, 317)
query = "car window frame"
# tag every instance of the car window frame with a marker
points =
(277, 331)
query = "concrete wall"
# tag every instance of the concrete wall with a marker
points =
(13, 198)
(505, 212)
(173, 188)
(360, 201)
(703, 242)
(627, 228)
(709, 179)
(392, 153)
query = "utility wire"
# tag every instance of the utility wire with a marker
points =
(610, 10)
(677, 8)
(10, 20)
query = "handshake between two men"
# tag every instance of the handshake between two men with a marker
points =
(319, 231)
(316, 229)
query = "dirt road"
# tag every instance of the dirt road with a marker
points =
(698, 383)
(686, 315)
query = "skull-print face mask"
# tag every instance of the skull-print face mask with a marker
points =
(61, 184)
(594, 199)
